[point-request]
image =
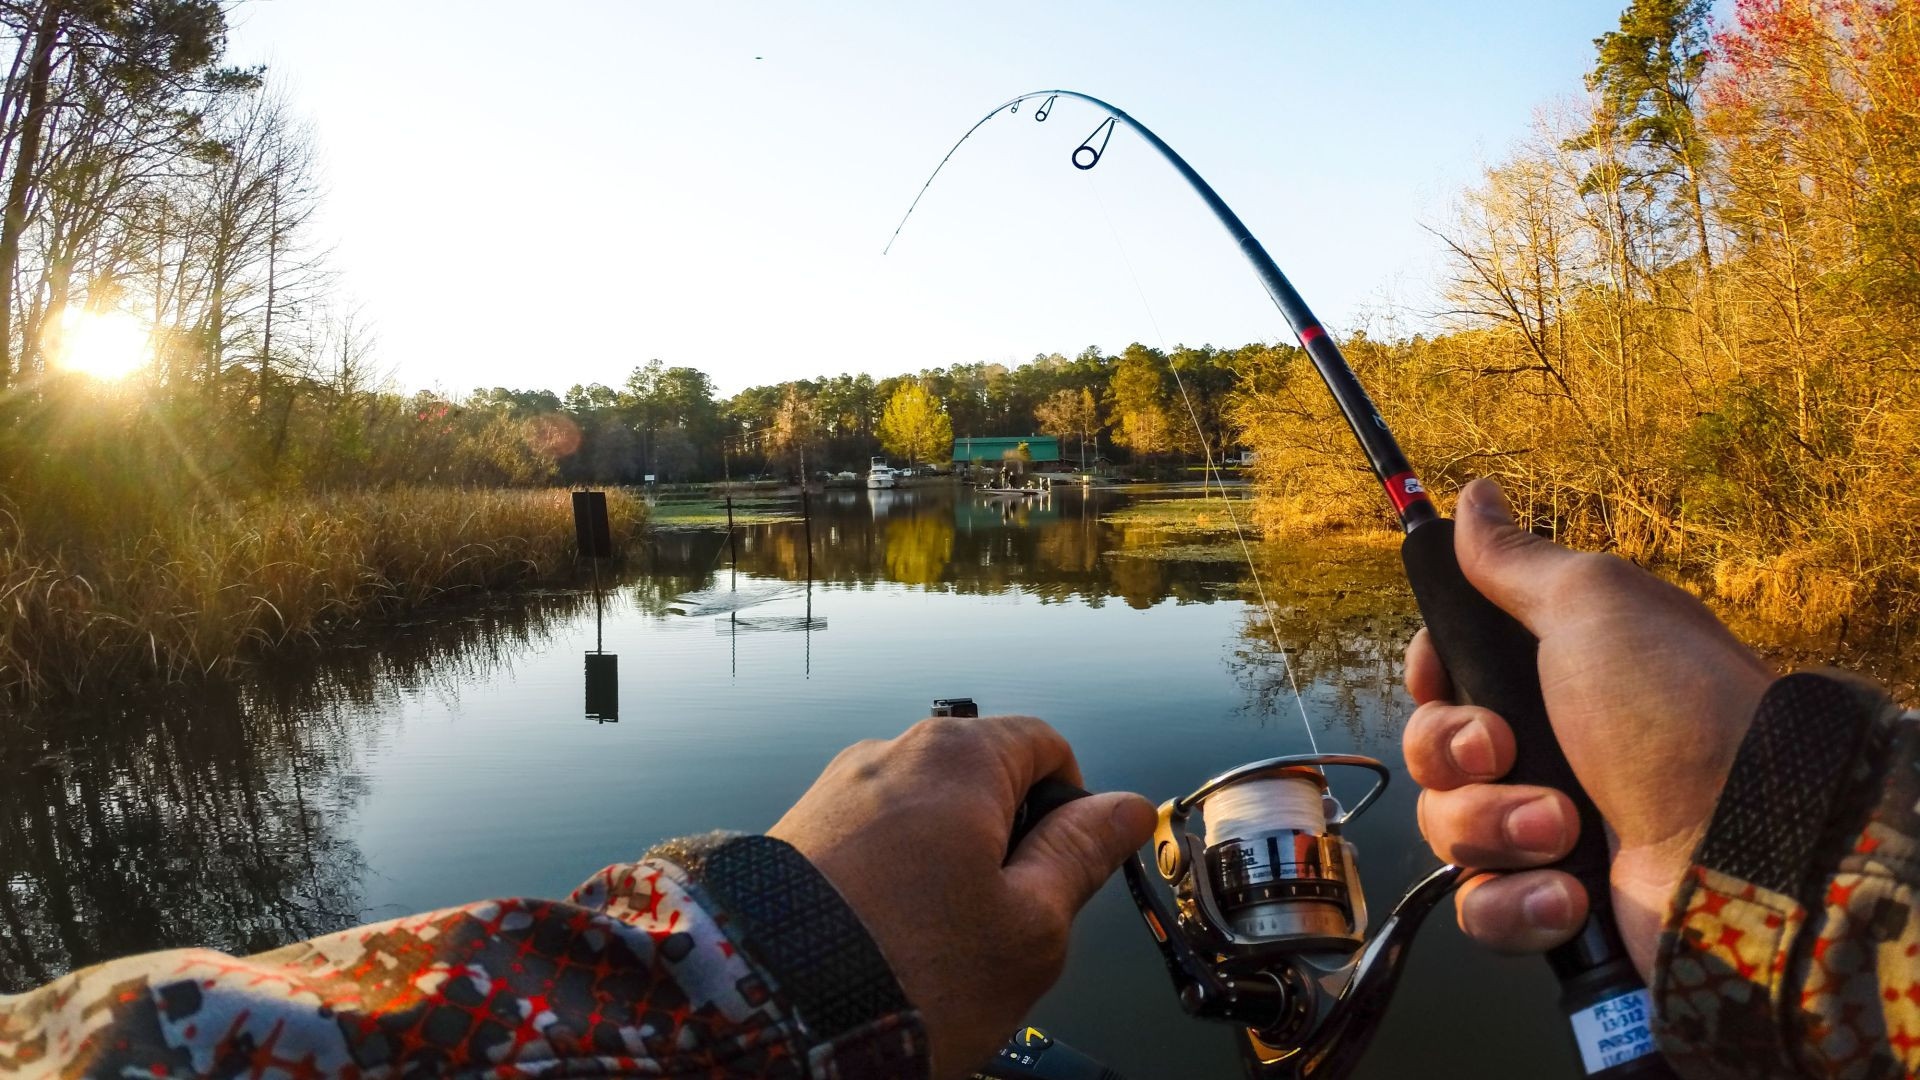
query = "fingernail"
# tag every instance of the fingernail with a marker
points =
(1535, 829)
(1471, 749)
(1547, 906)
(1484, 499)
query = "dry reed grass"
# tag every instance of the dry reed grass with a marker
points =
(197, 591)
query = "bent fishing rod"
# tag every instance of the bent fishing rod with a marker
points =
(1268, 928)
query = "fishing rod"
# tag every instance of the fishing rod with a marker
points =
(1268, 927)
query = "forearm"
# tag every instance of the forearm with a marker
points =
(1791, 949)
(712, 957)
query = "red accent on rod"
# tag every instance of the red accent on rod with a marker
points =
(1310, 333)
(1405, 489)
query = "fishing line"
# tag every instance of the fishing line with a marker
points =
(1206, 449)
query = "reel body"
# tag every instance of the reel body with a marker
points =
(1268, 928)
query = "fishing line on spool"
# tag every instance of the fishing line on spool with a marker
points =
(1256, 806)
(1206, 448)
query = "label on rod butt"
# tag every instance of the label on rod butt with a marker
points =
(1614, 1031)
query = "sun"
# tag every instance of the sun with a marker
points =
(101, 344)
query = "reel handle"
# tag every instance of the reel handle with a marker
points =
(1043, 798)
(1494, 663)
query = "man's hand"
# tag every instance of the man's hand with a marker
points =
(1649, 696)
(913, 830)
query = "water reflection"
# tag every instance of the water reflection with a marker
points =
(1057, 548)
(1341, 615)
(603, 669)
(222, 819)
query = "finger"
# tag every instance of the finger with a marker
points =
(1498, 826)
(1426, 677)
(1450, 746)
(1528, 912)
(1510, 566)
(1030, 750)
(1064, 860)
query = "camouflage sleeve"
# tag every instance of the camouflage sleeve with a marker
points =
(722, 956)
(1791, 949)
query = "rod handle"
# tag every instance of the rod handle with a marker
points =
(1493, 662)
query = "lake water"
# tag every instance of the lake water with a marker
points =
(453, 758)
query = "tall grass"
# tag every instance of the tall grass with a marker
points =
(197, 591)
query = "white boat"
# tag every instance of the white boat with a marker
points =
(880, 474)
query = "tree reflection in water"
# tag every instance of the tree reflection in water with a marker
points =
(1342, 611)
(1056, 548)
(221, 818)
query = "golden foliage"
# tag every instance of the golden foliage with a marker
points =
(1747, 413)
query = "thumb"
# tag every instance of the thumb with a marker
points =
(1073, 850)
(1509, 565)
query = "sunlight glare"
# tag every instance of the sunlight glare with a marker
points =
(102, 344)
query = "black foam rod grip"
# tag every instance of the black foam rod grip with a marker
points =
(1493, 662)
(1042, 799)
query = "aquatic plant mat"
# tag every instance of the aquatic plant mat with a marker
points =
(712, 513)
(1191, 514)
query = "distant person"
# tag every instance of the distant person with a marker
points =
(1769, 849)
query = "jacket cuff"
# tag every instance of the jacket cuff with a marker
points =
(790, 921)
(1727, 971)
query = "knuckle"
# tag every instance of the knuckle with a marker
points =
(938, 729)
(855, 755)
(1594, 573)
(1451, 828)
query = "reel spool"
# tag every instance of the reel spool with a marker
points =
(1274, 874)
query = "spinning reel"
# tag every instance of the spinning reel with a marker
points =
(1268, 927)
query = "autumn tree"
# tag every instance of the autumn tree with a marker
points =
(1647, 78)
(794, 435)
(1138, 402)
(1069, 413)
(915, 425)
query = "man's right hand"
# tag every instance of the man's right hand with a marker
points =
(1649, 696)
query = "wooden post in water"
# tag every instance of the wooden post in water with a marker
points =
(806, 521)
(733, 554)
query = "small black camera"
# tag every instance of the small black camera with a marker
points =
(955, 706)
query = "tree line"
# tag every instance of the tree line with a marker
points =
(669, 422)
(1681, 321)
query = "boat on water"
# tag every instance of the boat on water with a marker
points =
(880, 474)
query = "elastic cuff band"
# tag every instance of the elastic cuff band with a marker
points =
(1789, 780)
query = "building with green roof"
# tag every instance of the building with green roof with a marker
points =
(991, 450)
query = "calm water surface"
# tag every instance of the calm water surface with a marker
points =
(453, 759)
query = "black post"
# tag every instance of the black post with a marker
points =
(806, 518)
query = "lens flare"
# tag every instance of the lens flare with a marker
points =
(104, 345)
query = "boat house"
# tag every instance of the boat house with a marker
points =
(975, 450)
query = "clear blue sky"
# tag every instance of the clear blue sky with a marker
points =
(534, 195)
